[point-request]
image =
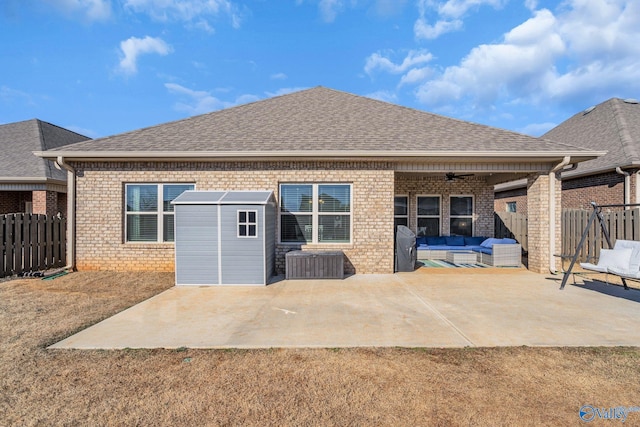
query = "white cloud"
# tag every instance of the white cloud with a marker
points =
(133, 47)
(91, 10)
(588, 49)
(278, 76)
(383, 95)
(378, 61)
(187, 11)
(449, 14)
(457, 8)
(8, 95)
(329, 9)
(199, 102)
(416, 75)
(422, 30)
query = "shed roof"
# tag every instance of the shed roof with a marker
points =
(317, 123)
(19, 140)
(612, 126)
(237, 197)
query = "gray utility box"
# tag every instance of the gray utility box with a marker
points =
(314, 265)
(225, 237)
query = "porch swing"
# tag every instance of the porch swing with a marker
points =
(622, 260)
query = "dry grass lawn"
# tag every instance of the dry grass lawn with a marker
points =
(390, 386)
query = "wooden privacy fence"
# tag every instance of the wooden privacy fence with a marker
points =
(31, 242)
(512, 225)
(623, 224)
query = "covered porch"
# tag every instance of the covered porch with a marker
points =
(457, 199)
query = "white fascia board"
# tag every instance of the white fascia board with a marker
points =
(316, 155)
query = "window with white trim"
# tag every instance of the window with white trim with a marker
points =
(315, 213)
(247, 223)
(428, 215)
(511, 206)
(400, 211)
(149, 213)
(461, 215)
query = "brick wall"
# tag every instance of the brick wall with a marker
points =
(100, 198)
(518, 196)
(413, 185)
(604, 189)
(13, 201)
(539, 240)
(45, 202)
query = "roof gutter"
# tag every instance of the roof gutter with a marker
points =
(71, 210)
(552, 211)
(627, 186)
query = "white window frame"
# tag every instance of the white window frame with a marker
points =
(473, 211)
(159, 212)
(316, 214)
(247, 224)
(508, 206)
(439, 216)
(406, 217)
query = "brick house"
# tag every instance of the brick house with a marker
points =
(343, 168)
(28, 183)
(612, 126)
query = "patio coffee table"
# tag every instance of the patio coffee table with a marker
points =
(461, 257)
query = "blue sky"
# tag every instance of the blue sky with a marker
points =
(102, 67)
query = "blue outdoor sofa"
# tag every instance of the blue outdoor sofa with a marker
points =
(491, 251)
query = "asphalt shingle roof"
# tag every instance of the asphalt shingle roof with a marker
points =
(19, 140)
(612, 126)
(318, 119)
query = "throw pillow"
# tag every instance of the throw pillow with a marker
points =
(489, 242)
(618, 258)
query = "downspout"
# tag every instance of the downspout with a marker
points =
(71, 210)
(637, 195)
(627, 185)
(552, 210)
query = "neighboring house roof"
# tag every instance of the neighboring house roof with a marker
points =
(612, 126)
(19, 140)
(318, 123)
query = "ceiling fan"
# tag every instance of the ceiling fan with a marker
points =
(451, 176)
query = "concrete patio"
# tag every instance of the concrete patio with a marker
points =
(426, 308)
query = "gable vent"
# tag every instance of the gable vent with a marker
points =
(631, 101)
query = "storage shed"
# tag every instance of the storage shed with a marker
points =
(225, 237)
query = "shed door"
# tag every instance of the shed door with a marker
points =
(196, 242)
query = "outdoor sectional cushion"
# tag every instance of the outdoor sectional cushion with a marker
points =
(449, 243)
(455, 240)
(447, 248)
(436, 240)
(489, 242)
(474, 241)
(488, 251)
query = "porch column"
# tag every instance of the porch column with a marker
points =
(542, 216)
